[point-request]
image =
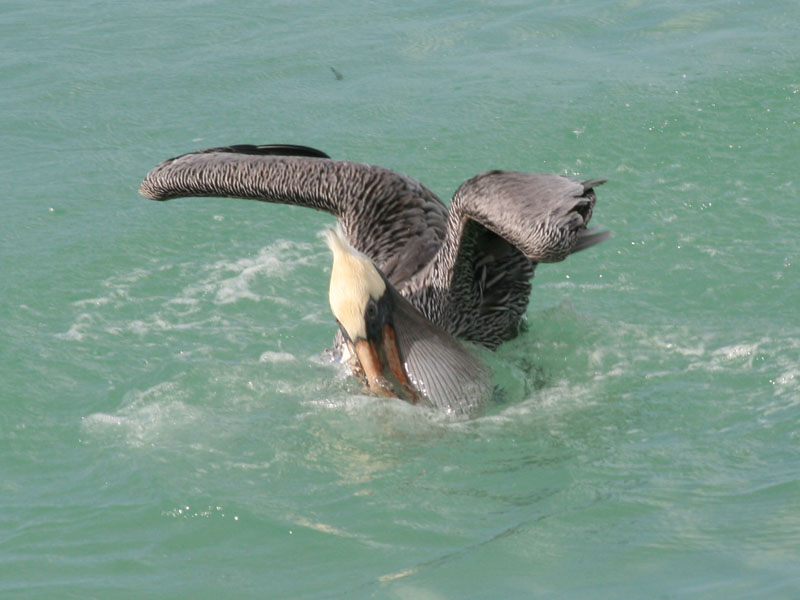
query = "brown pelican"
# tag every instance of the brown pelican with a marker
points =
(410, 277)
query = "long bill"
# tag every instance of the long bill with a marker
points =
(383, 368)
(420, 362)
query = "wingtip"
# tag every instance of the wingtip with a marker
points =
(154, 186)
(147, 190)
(271, 150)
(589, 238)
(591, 183)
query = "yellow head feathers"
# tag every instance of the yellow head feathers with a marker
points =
(354, 280)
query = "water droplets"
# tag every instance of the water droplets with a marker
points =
(186, 511)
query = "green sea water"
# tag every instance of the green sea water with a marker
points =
(168, 428)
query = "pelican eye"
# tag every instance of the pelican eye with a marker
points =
(371, 310)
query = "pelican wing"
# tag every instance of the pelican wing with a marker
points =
(502, 224)
(393, 219)
(448, 374)
(542, 214)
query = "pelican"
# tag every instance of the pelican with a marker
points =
(412, 280)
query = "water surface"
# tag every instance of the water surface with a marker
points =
(168, 426)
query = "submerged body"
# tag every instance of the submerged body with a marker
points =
(451, 275)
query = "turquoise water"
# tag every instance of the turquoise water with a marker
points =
(168, 428)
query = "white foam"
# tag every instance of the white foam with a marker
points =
(786, 387)
(274, 357)
(79, 328)
(154, 323)
(787, 377)
(100, 301)
(224, 281)
(103, 419)
(147, 417)
(736, 351)
(682, 347)
(231, 281)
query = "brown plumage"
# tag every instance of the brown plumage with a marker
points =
(442, 274)
(467, 269)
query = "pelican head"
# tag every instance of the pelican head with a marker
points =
(400, 352)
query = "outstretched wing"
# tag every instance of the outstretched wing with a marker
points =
(393, 219)
(501, 225)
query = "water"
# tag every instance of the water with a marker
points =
(168, 428)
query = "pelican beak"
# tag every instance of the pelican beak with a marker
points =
(383, 368)
(404, 355)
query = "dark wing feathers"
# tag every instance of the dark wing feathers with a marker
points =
(588, 238)
(271, 150)
(501, 225)
(468, 270)
(541, 214)
(384, 214)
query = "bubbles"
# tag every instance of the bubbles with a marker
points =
(205, 512)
